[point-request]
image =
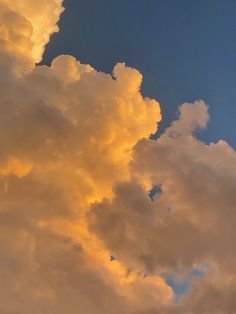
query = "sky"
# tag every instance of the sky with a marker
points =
(96, 215)
(184, 49)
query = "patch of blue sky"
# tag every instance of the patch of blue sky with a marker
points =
(180, 288)
(181, 285)
(155, 192)
(198, 273)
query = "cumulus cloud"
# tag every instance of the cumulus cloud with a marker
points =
(76, 167)
(67, 133)
(25, 29)
(42, 16)
(191, 222)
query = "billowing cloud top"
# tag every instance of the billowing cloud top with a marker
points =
(42, 17)
(79, 232)
(26, 26)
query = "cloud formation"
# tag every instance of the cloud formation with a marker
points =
(76, 168)
(190, 223)
(40, 15)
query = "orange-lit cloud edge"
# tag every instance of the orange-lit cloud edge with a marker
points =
(76, 167)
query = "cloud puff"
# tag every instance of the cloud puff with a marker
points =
(78, 124)
(190, 223)
(42, 15)
(76, 167)
(24, 31)
(67, 133)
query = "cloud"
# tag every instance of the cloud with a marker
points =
(191, 222)
(76, 168)
(42, 16)
(25, 29)
(67, 133)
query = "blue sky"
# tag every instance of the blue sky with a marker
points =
(185, 49)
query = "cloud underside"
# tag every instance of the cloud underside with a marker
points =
(76, 168)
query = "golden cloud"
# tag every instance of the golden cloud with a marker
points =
(78, 231)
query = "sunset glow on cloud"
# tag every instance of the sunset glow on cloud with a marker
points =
(79, 232)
